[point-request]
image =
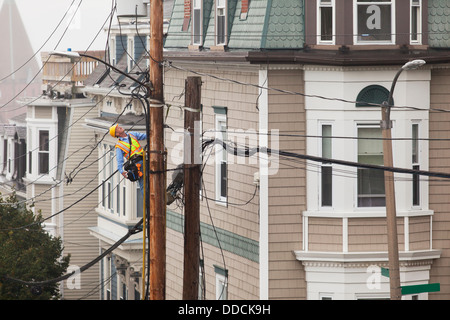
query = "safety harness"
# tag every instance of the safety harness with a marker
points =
(133, 152)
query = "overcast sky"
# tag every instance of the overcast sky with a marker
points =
(41, 18)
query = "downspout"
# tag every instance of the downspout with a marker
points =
(263, 189)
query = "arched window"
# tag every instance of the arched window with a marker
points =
(372, 94)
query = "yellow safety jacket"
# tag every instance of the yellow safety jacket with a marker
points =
(136, 148)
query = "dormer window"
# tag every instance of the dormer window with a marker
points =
(416, 21)
(197, 22)
(325, 21)
(221, 22)
(374, 22)
(130, 49)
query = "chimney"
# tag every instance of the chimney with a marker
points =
(187, 14)
(244, 8)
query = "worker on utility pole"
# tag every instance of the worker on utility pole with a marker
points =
(128, 147)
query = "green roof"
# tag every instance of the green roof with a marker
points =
(269, 24)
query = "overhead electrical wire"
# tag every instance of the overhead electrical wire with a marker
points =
(285, 154)
(170, 64)
(133, 230)
(251, 151)
(45, 42)
(35, 76)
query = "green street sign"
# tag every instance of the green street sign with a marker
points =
(414, 289)
(420, 288)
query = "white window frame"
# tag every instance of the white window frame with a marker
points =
(221, 7)
(356, 41)
(365, 126)
(10, 158)
(4, 157)
(108, 278)
(112, 50)
(34, 126)
(416, 4)
(220, 153)
(326, 4)
(130, 53)
(197, 6)
(416, 163)
(327, 165)
(39, 152)
(221, 287)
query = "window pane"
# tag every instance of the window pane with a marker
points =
(327, 186)
(223, 180)
(124, 194)
(326, 23)
(43, 163)
(118, 197)
(415, 143)
(326, 141)
(370, 181)
(220, 29)
(197, 29)
(416, 187)
(139, 201)
(414, 23)
(43, 140)
(374, 23)
(30, 161)
(110, 203)
(103, 194)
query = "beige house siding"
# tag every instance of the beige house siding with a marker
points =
(45, 206)
(419, 233)
(235, 218)
(370, 234)
(43, 112)
(325, 234)
(72, 223)
(82, 246)
(440, 190)
(287, 193)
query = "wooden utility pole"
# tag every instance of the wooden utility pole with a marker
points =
(391, 215)
(192, 153)
(391, 211)
(157, 219)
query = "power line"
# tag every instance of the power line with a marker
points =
(294, 135)
(70, 70)
(51, 35)
(170, 64)
(251, 151)
(133, 230)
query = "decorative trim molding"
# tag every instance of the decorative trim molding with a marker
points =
(363, 259)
